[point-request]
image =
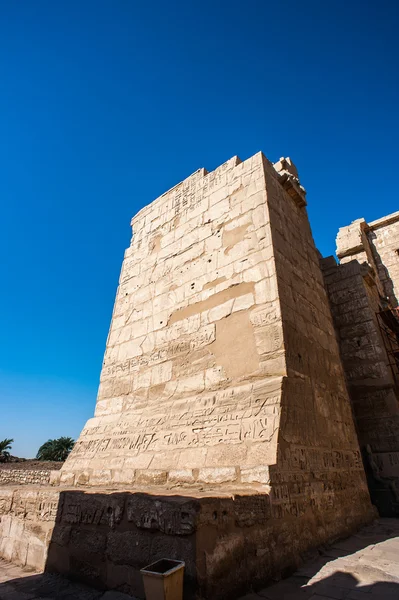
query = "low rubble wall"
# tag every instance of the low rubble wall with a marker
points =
(29, 472)
(25, 476)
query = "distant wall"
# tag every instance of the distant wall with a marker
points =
(361, 289)
(25, 476)
(28, 472)
(383, 236)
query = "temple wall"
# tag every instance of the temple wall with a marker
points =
(383, 236)
(191, 382)
(358, 291)
(223, 433)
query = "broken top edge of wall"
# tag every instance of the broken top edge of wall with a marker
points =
(228, 165)
(387, 220)
(232, 162)
(381, 222)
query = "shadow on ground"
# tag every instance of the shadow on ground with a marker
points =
(339, 585)
(364, 566)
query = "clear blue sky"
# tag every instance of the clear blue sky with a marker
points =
(104, 105)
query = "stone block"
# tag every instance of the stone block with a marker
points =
(221, 311)
(151, 477)
(61, 535)
(7, 548)
(141, 461)
(243, 302)
(124, 476)
(67, 478)
(88, 541)
(255, 475)
(226, 455)
(100, 477)
(128, 548)
(20, 550)
(6, 499)
(217, 475)
(55, 477)
(5, 525)
(16, 528)
(82, 478)
(192, 458)
(181, 476)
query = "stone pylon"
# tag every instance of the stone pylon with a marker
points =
(223, 433)
(222, 369)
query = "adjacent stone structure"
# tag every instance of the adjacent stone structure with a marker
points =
(223, 432)
(363, 292)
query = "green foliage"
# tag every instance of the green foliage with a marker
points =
(57, 450)
(5, 446)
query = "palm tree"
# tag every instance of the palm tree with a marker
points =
(5, 446)
(56, 450)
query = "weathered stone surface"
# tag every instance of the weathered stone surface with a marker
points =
(27, 520)
(184, 355)
(220, 303)
(217, 475)
(363, 294)
(222, 396)
(228, 542)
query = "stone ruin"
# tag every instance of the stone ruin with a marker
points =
(364, 291)
(240, 375)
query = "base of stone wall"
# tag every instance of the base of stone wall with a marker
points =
(230, 543)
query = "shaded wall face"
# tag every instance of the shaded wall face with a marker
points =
(192, 371)
(355, 295)
(318, 461)
(355, 304)
(228, 543)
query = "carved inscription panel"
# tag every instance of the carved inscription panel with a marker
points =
(240, 415)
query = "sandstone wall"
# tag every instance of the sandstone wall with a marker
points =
(355, 303)
(222, 385)
(383, 236)
(229, 543)
(222, 366)
(360, 288)
(191, 382)
(377, 244)
(318, 475)
(27, 518)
